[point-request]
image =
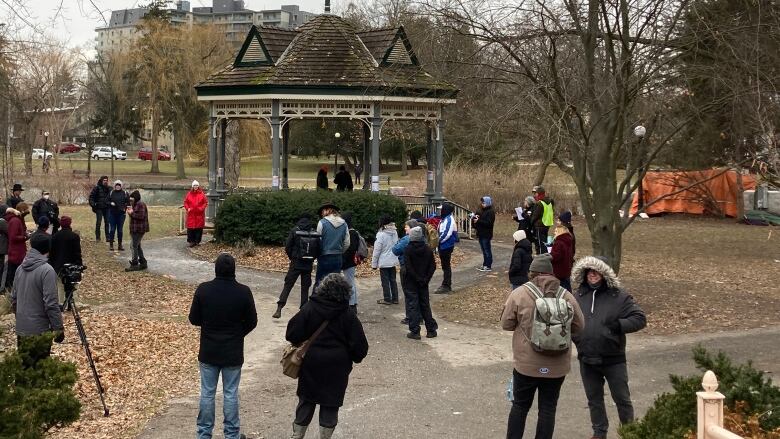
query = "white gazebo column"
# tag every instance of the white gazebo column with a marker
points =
(213, 196)
(275, 144)
(438, 195)
(376, 127)
(429, 191)
(285, 155)
(221, 174)
(366, 157)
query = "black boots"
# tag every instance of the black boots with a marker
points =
(135, 266)
(121, 249)
(110, 245)
(278, 312)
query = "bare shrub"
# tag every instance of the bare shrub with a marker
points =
(64, 190)
(246, 248)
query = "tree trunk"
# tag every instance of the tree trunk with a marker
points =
(541, 171)
(155, 135)
(404, 169)
(28, 151)
(177, 146)
(232, 153)
(740, 194)
(414, 160)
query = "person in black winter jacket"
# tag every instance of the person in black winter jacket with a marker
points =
(225, 311)
(118, 201)
(98, 200)
(48, 208)
(65, 249)
(483, 221)
(343, 180)
(324, 374)
(522, 256)
(300, 266)
(420, 266)
(610, 314)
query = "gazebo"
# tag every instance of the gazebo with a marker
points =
(325, 69)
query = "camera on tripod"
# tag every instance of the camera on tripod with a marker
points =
(71, 274)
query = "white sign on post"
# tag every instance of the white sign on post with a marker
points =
(430, 175)
(275, 181)
(375, 183)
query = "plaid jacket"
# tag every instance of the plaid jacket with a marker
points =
(139, 218)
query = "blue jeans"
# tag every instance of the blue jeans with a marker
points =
(487, 252)
(209, 375)
(389, 284)
(116, 222)
(349, 273)
(327, 264)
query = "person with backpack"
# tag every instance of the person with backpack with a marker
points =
(118, 201)
(351, 259)
(99, 202)
(398, 250)
(419, 270)
(483, 222)
(522, 255)
(302, 247)
(562, 254)
(610, 314)
(448, 236)
(541, 218)
(541, 345)
(334, 239)
(384, 259)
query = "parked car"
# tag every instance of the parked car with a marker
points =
(67, 148)
(38, 154)
(146, 154)
(105, 152)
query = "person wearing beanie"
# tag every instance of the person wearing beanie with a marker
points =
(536, 371)
(46, 207)
(420, 266)
(139, 226)
(562, 254)
(350, 260)
(65, 249)
(483, 222)
(118, 201)
(384, 259)
(521, 260)
(541, 218)
(565, 220)
(398, 250)
(99, 202)
(341, 343)
(448, 237)
(225, 312)
(17, 240)
(301, 264)
(34, 301)
(195, 203)
(610, 314)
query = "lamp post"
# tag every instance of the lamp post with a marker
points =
(639, 132)
(44, 166)
(336, 158)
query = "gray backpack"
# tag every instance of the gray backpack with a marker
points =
(551, 325)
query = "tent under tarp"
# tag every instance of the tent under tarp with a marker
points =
(716, 193)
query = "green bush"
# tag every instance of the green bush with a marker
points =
(673, 414)
(267, 217)
(35, 399)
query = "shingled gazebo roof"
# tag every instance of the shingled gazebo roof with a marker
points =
(326, 56)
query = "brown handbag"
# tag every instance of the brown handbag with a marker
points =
(292, 356)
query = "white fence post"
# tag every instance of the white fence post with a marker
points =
(709, 417)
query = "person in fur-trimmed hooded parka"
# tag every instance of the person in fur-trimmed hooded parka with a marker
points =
(610, 314)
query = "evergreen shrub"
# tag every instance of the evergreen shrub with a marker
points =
(267, 217)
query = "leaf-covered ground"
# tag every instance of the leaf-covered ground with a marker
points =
(690, 274)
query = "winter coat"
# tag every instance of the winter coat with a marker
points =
(524, 221)
(399, 248)
(343, 181)
(348, 259)
(99, 197)
(484, 225)
(335, 239)
(518, 316)
(34, 296)
(448, 233)
(420, 264)
(3, 233)
(65, 249)
(292, 247)
(139, 218)
(520, 262)
(607, 303)
(17, 237)
(570, 228)
(225, 311)
(13, 201)
(562, 256)
(44, 207)
(322, 180)
(325, 370)
(120, 201)
(536, 216)
(195, 203)
(383, 256)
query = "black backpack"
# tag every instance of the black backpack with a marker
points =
(308, 244)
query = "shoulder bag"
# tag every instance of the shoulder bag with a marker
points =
(292, 356)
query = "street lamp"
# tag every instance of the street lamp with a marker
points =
(639, 132)
(45, 142)
(336, 158)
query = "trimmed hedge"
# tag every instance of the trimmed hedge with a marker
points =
(267, 217)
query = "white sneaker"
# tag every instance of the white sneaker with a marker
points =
(483, 268)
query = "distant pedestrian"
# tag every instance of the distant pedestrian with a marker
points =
(65, 249)
(448, 237)
(302, 247)
(195, 203)
(419, 270)
(343, 180)
(225, 311)
(16, 196)
(325, 371)
(483, 221)
(358, 173)
(334, 234)
(610, 314)
(3, 245)
(139, 226)
(562, 253)
(522, 255)
(398, 250)
(17, 240)
(384, 259)
(536, 369)
(99, 201)
(322, 178)
(350, 261)
(118, 201)
(542, 219)
(46, 207)
(565, 220)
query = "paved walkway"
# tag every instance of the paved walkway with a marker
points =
(449, 387)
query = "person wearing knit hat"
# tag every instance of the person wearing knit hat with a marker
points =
(65, 249)
(195, 203)
(42, 228)
(483, 221)
(420, 266)
(448, 237)
(118, 201)
(536, 371)
(398, 250)
(139, 226)
(565, 220)
(521, 260)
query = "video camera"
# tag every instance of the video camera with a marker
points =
(71, 274)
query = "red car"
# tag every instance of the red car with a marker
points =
(146, 154)
(67, 148)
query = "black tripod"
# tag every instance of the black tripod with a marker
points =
(70, 304)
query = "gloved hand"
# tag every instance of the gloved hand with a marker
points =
(614, 326)
(59, 336)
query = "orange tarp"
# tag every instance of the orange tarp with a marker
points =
(717, 195)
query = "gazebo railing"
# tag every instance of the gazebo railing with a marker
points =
(460, 214)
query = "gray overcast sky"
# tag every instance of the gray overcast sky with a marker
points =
(78, 19)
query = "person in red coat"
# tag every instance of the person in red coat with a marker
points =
(17, 240)
(563, 256)
(195, 203)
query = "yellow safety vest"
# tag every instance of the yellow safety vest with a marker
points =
(547, 215)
